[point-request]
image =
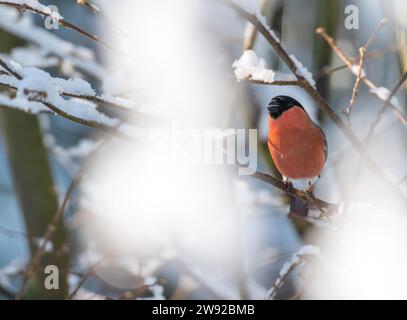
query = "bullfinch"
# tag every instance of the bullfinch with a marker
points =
(297, 145)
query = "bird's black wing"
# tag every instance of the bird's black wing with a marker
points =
(325, 140)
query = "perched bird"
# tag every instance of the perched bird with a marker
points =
(297, 145)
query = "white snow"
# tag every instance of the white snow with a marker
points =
(35, 5)
(11, 65)
(309, 250)
(22, 104)
(73, 280)
(251, 67)
(34, 81)
(74, 86)
(127, 103)
(38, 86)
(115, 84)
(86, 110)
(285, 268)
(39, 242)
(4, 279)
(10, 270)
(262, 19)
(254, 9)
(130, 104)
(82, 149)
(156, 289)
(24, 28)
(132, 131)
(295, 261)
(384, 93)
(33, 57)
(302, 71)
(48, 47)
(355, 70)
(8, 81)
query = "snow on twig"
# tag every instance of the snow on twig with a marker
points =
(251, 67)
(49, 44)
(297, 260)
(36, 7)
(302, 71)
(36, 89)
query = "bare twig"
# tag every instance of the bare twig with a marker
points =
(300, 293)
(10, 70)
(374, 54)
(382, 22)
(134, 293)
(383, 108)
(12, 233)
(57, 218)
(278, 283)
(361, 74)
(373, 88)
(96, 10)
(84, 278)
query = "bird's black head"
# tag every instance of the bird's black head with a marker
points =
(279, 104)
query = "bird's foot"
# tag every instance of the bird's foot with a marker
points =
(288, 186)
(310, 188)
(309, 191)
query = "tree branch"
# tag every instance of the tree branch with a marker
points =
(298, 259)
(350, 65)
(325, 208)
(57, 218)
(26, 6)
(280, 51)
(362, 51)
(383, 108)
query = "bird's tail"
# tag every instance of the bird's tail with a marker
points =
(298, 207)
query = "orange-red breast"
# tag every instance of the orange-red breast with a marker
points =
(297, 145)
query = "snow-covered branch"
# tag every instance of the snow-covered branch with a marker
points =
(326, 209)
(37, 7)
(38, 91)
(298, 260)
(252, 68)
(47, 44)
(311, 90)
